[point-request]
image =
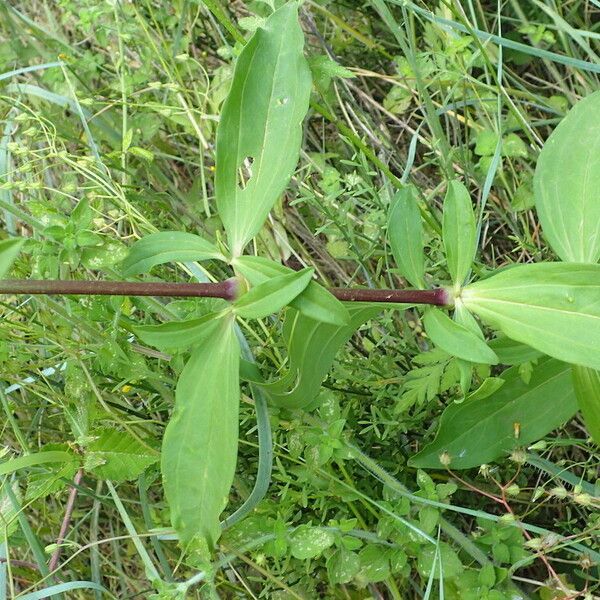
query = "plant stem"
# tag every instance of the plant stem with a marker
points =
(64, 528)
(227, 289)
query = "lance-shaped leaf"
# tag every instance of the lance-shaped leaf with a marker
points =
(260, 129)
(314, 302)
(312, 346)
(456, 339)
(9, 250)
(459, 232)
(479, 431)
(167, 246)
(587, 389)
(552, 307)
(405, 232)
(566, 184)
(178, 335)
(200, 443)
(272, 295)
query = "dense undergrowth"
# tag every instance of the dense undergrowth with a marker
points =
(111, 137)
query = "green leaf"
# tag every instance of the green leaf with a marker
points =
(459, 232)
(199, 449)
(9, 250)
(566, 184)
(312, 347)
(552, 307)
(478, 431)
(587, 391)
(487, 388)
(272, 295)
(37, 458)
(405, 232)
(117, 455)
(178, 335)
(261, 124)
(314, 302)
(510, 352)
(455, 339)
(428, 562)
(167, 246)
(342, 566)
(309, 542)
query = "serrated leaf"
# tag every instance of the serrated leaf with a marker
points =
(566, 184)
(312, 346)
(552, 307)
(117, 455)
(261, 124)
(587, 390)
(405, 232)
(459, 232)
(9, 250)
(455, 339)
(8, 509)
(314, 302)
(478, 431)
(272, 295)
(199, 450)
(178, 335)
(167, 246)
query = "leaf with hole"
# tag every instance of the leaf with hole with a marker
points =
(459, 232)
(405, 232)
(479, 431)
(455, 339)
(199, 448)
(167, 246)
(552, 307)
(566, 184)
(314, 302)
(260, 129)
(272, 295)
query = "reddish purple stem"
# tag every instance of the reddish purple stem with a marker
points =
(227, 289)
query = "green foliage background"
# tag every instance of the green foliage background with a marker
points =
(114, 138)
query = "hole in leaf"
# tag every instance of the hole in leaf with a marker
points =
(245, 172)
(282, 101)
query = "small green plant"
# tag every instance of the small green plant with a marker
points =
(547, 312)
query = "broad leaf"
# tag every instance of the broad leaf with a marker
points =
(200, 443)
(552, 307)
(178, 335)
(587, 390)
(9, 250)
(312, 347)
(314, 302)
(405, 232)
(480, 431)
(510, 352)
(459, 232)
(118, 456)
(566, 184)
(455, 339)
(272, 295)
(167, 246)
(260, 130)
